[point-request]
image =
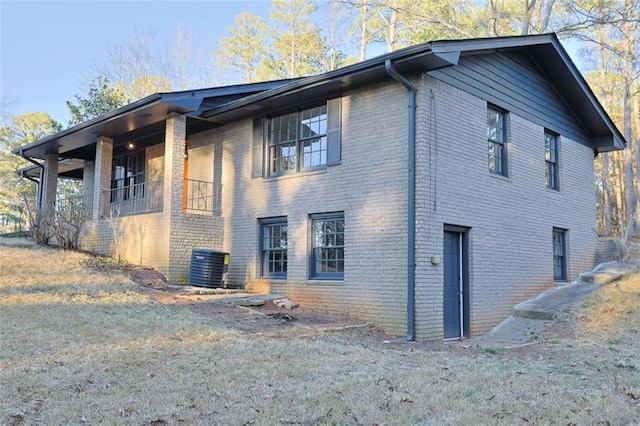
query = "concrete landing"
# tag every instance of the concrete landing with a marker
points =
(531, 316)
(608, 272)
(546, 305)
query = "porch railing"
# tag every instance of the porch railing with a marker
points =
(140, 198)
(75, 206)
(202, 197)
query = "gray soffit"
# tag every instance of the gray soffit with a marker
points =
(71, 168)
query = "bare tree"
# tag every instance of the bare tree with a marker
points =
(133, 65)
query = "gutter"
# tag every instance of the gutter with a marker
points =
(31, 160)
(411, 198)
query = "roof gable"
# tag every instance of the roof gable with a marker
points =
(512, 80)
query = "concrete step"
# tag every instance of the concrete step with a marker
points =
(546, 305)
(531, 316)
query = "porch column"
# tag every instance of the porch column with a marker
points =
(175, 135)
(176, 132)
(102, 175)
(49, 181)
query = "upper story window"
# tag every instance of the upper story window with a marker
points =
(497, 141)
(551, 160)
(301, 140)
(298, 140)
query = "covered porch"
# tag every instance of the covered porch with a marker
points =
(149, 194)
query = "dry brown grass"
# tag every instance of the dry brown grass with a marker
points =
(83, 345)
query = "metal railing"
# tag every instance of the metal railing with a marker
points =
(146, 197)
(202, 197)
(75, 206)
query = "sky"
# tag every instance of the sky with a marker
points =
(47, 48)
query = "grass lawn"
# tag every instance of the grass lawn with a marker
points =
(81, 344)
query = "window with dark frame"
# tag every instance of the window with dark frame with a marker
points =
(551, 160)
(298, 140)
(559, 254)
(127, 177)
(497, 141)
(273, 247)
(327, 246)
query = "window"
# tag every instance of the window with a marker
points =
(273, 235)
(559, 254)
(298, 140)
(128, 176)
(551, 160)
(497, 138)
(327, 246)
(301, 140)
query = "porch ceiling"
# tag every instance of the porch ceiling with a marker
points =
(67, 168)
(80, 143)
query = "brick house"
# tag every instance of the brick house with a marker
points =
(427, 190)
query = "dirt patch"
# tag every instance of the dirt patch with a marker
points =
(265, 320)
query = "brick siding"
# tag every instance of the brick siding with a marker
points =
(510, 220)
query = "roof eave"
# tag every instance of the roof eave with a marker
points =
(614, 141)
(127, 109)
(443, 58)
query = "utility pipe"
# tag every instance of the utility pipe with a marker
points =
(411, 199)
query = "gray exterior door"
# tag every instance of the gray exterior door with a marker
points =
(453, 301)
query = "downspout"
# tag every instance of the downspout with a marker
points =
(39, 194)
(411, 199)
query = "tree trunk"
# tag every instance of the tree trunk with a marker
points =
(526, 18)
(546, 10)
(363, 31)
(606, 195)
(606, 187)
(629, 194)
(393, 23)
(619, 193)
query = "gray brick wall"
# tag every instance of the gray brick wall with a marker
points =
(510, 219)
(140, 237)
(369, 187)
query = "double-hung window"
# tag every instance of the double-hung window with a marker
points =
(327, 246)
(497, 141)
(298, 140)
(551, 160)
(306, 139)
(559, 254)
(273, 247)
